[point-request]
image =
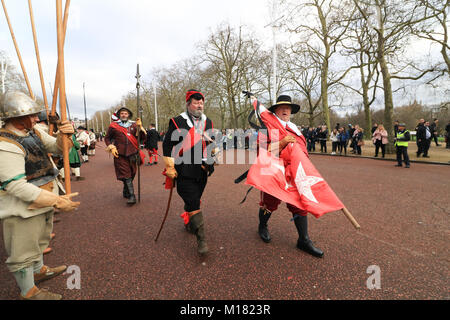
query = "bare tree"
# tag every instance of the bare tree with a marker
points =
(322, 25)
(361, 47)
(230, 54)
(392, 22)
(436, 30)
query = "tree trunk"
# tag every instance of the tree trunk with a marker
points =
(367, 114)
(388, 100)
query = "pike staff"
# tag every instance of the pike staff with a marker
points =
(139, 110)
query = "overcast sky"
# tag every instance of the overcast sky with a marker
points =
(107, 38)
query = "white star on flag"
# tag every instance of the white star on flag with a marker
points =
(304, 183)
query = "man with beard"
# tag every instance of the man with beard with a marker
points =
(29, 193)
(121, 141)
(188, 161)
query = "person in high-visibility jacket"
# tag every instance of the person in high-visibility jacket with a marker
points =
(401, 143)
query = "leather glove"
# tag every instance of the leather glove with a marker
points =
(170, 167)
(49, 199)
(139, 124)
(66, 127)
(113, 150)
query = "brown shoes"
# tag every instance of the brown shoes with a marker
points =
(41, 294)
(48, 273)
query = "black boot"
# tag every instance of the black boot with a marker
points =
(197, 227)
(125, 192)
(263, 232)
(304, 243)
(132, 198)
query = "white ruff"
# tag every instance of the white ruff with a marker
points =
(304, 183)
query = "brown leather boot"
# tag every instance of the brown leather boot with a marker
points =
(41, 294)
(198, 228)
(48, 273)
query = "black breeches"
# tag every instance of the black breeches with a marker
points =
(191, 191)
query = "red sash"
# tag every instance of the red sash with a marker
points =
(191, 139)
(130, 138)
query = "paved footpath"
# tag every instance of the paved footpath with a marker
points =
(405, 231)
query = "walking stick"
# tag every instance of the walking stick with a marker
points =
(351, 218)
(167, 211)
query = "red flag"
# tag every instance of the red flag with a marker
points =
(291, 177)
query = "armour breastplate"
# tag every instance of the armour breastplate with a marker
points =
(38, 168)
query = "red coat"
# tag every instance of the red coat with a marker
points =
(123, 145)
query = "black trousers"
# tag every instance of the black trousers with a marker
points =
(191, 191)
(426, 146)
(402, 151)
(323, 146)
(379, 144)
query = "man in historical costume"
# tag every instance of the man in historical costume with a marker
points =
(152, 145)
(92, 141)
(29, 193)
(84, 140)
(121, 141)
(74, 161)
(187, 158)
(280, 115)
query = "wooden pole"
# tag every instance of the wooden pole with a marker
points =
(62, 92)
(56, 85)
(18, 52)
(38, 58)
(351, 218)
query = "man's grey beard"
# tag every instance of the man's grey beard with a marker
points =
(124, 120)
(196, 113)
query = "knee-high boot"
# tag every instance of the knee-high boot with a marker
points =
(304, 243)
(197, 227)
(132, 198)
(125, 192)
(263, 231)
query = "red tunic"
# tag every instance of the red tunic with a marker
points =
(125, 165)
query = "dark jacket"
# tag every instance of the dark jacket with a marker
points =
(173, 140)
(343, 136)
(421, 132)
(152, 139)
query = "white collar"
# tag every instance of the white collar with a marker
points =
(188, 119)
(291, 125)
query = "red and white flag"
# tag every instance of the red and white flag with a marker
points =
(291, 177)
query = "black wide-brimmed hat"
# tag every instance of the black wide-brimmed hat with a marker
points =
(124, 109)
(285, 100)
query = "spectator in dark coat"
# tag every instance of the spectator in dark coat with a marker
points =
(311, 139)
(151, 144)
(447, 135)
(342, 139)
(434, 131)
(421, 137)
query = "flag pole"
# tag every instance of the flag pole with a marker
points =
(62, 93)
(351, 218)
(38, 58)
(18, 52)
